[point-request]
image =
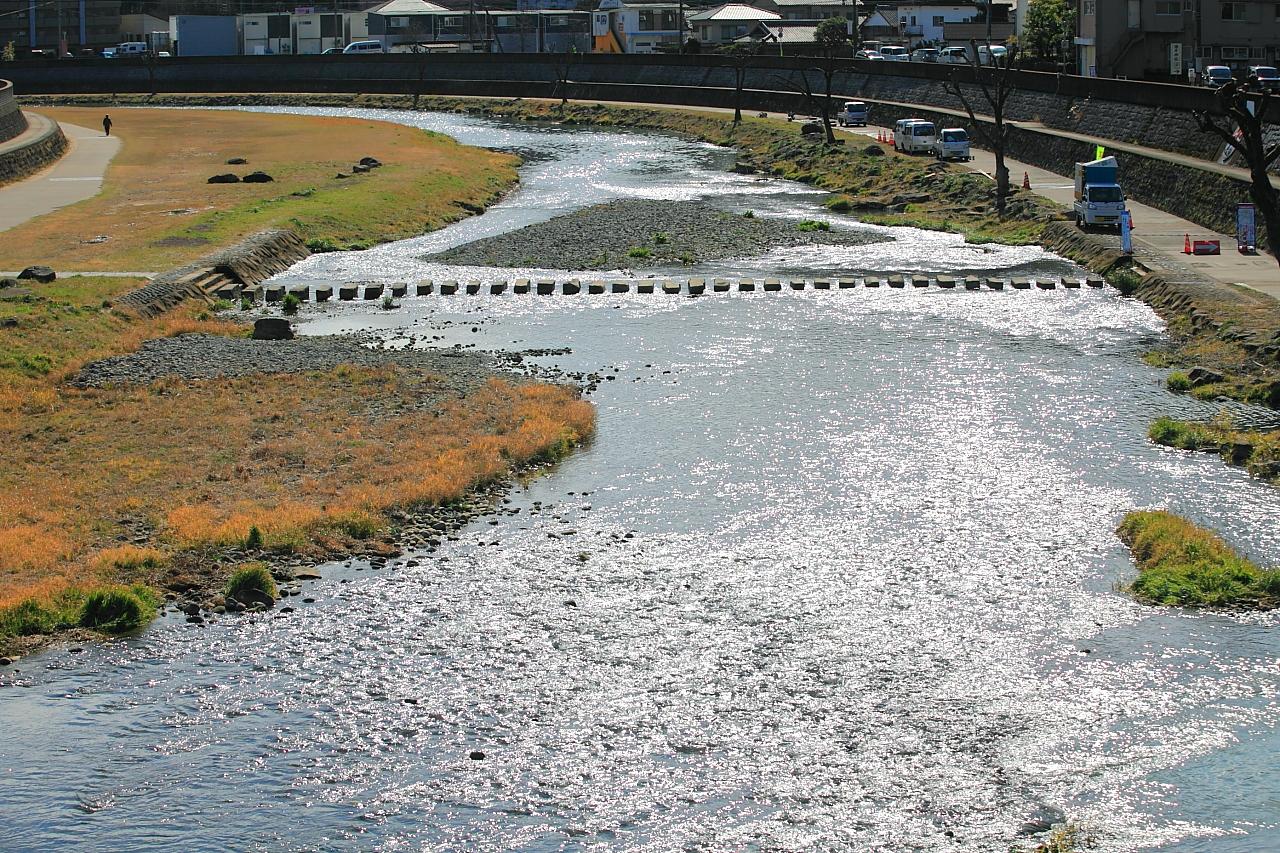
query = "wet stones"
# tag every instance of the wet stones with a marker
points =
(225, 178)
(257, 178)
(42, 274)
(272, 329)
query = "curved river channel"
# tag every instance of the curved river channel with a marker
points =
(837, 573)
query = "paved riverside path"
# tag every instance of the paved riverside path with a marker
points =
(75, 177)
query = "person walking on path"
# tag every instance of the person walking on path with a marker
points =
(106, 125)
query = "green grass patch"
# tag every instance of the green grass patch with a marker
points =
(1124, 280)
(1178, 382)
(250, 582)
(1257, 451)
(813, 225)
(119, 609)
(839, 204)
(1184, 435)
(1182, 564)
(639, 252)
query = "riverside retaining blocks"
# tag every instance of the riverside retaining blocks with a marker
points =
(275, 292)
(323, 293)
(347, 292)
(372, 291)
(424, 288)
(301, 292)
(399, 289)
(620, 287)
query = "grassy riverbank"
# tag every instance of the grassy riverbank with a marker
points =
(1258, 452)
(1182, 564)
(147, 486)
(156, 210)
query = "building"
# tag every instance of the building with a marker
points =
(942, 23)
(204, 35)
(639, 26)
(816, 10)
(140, 27)
(71, 26)
(301, 32)
(1168, 39)
(728, 23)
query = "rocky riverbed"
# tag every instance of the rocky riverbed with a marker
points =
(212, 356)
(639, 233)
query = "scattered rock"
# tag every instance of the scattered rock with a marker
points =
(1203, 376)
(9, 323)
(360, 168)
(272, 329)
(42, 274)
(477, 755)
(258, 178)
(873, 151)
(5, 661)
(227, 178)
(341, 175)
(8, 282)
(1042, 820)
(371, 162)
(811, 128)
(237, 161)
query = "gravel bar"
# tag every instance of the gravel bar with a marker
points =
(618, 235)
(212, 356)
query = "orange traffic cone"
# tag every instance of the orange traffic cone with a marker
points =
(1186, 245)
(1026, 181)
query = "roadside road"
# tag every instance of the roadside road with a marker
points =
(75, 177)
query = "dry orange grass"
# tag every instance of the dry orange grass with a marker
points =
(298, 456)
(157, 211)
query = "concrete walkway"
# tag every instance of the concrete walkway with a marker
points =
(75, 177)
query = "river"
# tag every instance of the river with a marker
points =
(837, 573)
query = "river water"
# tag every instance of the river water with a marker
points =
(837, 573)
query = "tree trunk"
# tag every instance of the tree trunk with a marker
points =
(1268, 204)
(826, 108)
(1002, 181)
(737, 96)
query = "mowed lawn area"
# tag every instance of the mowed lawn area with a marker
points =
(157, 211)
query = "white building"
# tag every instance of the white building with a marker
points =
(638, 26)
(314, 32)
(919, 22)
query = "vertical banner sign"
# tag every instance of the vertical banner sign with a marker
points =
(1175, 59)
(1099, 152)
(1246, 228)
(1126, 233)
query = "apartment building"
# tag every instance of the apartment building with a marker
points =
(1169, 39)
(63, 27)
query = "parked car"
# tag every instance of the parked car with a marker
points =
(853, 113)
(108, 53)
(364, 47)
(131, 48)
(953, 144)
(868, 54)
(1267, 76)
(954, 56)
(894, 53)
(924, 54)
(996, 54)
(914, 136)
(331, 51)
(1217, 75)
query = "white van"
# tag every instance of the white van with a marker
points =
(131, 48)
(954, 56)
(953, 144)
(895, 54)
(996, 54)
(914, 135)
(369, 46)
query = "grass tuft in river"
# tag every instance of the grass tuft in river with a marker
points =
(1182, 564)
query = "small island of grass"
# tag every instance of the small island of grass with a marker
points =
(1182, 564)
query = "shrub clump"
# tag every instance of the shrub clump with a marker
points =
(1182, 564)
(118, 609)
(1183, 435)
(839, 204)
(290, 304)
(252, 583)
(813, 225)
(1178, 382)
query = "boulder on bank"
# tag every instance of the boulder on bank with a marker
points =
(371, 162)
(8, 282)
(42, 274)
(873, 151)
(227, 178)
(1204, 376)
(258, 178)
(237, 161)
(811, 128)
(272, 329)
(361, 168)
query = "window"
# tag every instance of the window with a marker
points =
(1257, 53)
(1170, 7)
(1204, 52)
(1135, 14)
(937, 20)
(1089, 7)
(1235, 52)
(1233, 12)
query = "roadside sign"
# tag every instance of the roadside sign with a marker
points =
(1126, 232)
(1246, 228)
(1099, 152)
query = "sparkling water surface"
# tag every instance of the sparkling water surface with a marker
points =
(838, 572)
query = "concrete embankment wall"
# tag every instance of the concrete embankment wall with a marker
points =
(12, 121)
(41, 150)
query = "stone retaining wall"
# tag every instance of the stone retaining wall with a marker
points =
(246, 264)
(12, 122)
(31, 158)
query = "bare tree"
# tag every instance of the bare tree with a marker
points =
(832, 39)
(419, 30)
(1247, 107)
(995, 80)
(563, 65)
(739, 56)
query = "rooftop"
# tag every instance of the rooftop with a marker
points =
(733, 12)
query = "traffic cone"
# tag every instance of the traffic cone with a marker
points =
(1186, 245)
(1026, 181)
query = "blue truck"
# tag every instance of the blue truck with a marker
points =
(1099, 199)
